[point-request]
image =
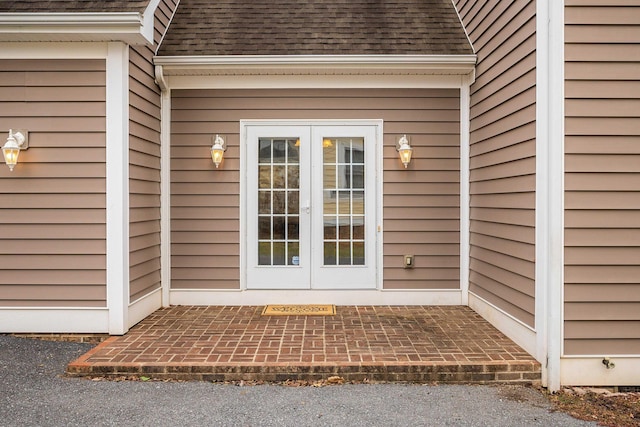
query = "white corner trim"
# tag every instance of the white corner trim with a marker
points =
(465, 194)
(340, 297)
(117, 171)
(550, 189)
(103, 26)
(54, 320)
(144, 306)
(379, 233)
(517, 331)
(590, 371)
(165, 193)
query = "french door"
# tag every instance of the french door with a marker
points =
(310, 207)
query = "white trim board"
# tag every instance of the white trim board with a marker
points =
(54, 320)
(165, 193)
(517, 331)
(117, 171)
(549, 222)
(590, 371)
(144, 306)
(316, 71)
(128, 27)
(340, 297)
(465, 192)
(315, 81)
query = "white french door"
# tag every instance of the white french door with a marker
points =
(310, 206)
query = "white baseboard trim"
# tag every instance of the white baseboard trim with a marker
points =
(517, 331)
(590, 371)
(142, 307)
(54, 320)
(346, 297)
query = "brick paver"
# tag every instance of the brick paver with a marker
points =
(378, 343)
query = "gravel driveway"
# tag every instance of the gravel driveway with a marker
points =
(33, 392)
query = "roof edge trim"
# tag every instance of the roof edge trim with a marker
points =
(426, 61)
(127, 26)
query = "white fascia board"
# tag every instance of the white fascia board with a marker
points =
(449, 64)
(128, 27)
(148, 20)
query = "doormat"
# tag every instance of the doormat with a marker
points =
(299, 310)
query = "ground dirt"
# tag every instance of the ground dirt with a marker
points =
(602, 406)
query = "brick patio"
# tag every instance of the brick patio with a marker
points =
(449, 344)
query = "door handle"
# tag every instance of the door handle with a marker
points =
(306, 207)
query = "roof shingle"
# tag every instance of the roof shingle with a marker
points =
(315, 27)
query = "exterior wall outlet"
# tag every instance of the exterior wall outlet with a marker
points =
(408, 261)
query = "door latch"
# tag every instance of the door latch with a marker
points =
(306, 208)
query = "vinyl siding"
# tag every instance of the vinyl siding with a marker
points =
(502, 153)
(144, 163)
(421, 204)
(52, 206)
(602, 178)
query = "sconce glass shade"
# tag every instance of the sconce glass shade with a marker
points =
(404, 150)
(11, 149)
(217, 150)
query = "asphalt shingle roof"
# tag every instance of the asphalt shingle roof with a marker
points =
(70, 6)
(315, 27)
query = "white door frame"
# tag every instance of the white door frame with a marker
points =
(245, 124)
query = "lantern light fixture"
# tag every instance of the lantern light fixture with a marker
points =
(11, 150)
(217, 150)
(404, 150)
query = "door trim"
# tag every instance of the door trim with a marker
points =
(244, 124)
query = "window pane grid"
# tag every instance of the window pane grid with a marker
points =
(278, 201)
(344, 195)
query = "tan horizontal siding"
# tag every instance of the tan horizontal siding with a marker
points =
(602, 178)
(144, 166)
(502, 153)
(52, 206)
(206, 203)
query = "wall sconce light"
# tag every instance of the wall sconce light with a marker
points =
(217, 150)
(15, 142)
(404, 150)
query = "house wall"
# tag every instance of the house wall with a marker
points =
(144, 162)
(502, 154)
(52, 206)
(602, 178)
(421, 204)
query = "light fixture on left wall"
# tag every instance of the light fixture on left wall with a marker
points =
(404, 150)
(15, 142)
(217, 150)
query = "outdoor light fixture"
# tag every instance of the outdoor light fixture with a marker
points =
(217, 150)
(405, 150)
(15, 142)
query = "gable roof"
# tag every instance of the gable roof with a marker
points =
(67, 6)
(315, 27)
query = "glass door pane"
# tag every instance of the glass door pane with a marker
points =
(343, 200)
(278, 201)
